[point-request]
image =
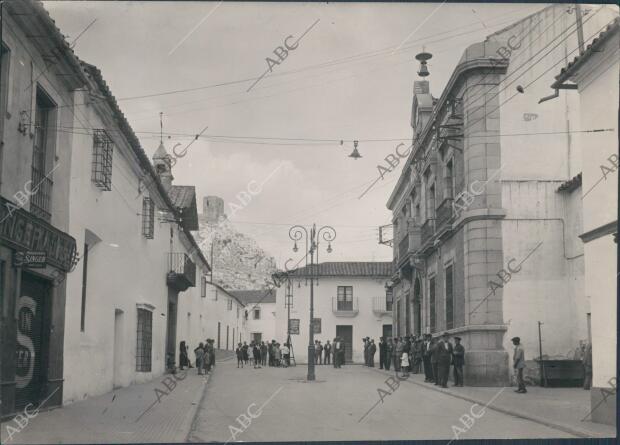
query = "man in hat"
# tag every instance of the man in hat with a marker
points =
(444, 357)
(381, 352)
(518, 363)
(426, 358)
(372, 349)
(458, 358)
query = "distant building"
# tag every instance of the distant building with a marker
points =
(350, 301)
(484, 233)
(213, 209)
(595, 76)
(260, 313)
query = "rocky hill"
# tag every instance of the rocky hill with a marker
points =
(238, 262)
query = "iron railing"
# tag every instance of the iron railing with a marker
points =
(444, 212)
(345, 306)
(181, 271)
(41, 197)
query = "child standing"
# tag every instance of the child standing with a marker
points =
(404, 363)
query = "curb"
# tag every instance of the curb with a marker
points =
(194, 421)
(558, 426)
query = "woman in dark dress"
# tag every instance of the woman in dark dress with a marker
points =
(183, 357)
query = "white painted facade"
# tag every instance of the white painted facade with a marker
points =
(369, 295)
(265, 325)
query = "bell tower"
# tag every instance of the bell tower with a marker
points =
(163, 166)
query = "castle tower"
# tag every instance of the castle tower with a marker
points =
(213, 208)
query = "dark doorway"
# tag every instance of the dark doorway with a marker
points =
(171, 329)
(387, 331)
(219, 326)
(417, 307)
(346, 333)
(32, 348)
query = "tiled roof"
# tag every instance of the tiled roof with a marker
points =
(593, 47)
(570, 185)
(184, 199)
(255, 296)
(348, 269)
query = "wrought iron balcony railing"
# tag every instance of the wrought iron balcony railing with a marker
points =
(428, 229)
(181, 271)
(444, 212)
(41, 198)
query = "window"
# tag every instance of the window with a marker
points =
(84, 281)
(431, 298)
(144, 340)
(229, 304)
(345, 298)
(256, 314)
(203, 286)
(43, 155)
(389, 299)
(449, 299)
(102, 160)
(449, 179)
(148, 218)
(430, 202)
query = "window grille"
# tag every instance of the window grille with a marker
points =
(449, 299)
(256, 314)
(345, 298)
(102, 160)
(148, 218)
(144, 341)
(389, 299)
(229, 304)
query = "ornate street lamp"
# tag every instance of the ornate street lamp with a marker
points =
(312, 239)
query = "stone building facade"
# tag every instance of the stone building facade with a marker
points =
(485, 238)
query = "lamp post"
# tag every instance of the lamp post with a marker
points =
(312, 239)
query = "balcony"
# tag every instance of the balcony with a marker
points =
(444, 212)
(348, 308)
(381, 306)
(41, 198)
(181, 272)
(428, 230)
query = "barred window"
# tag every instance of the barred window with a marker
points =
(230, 304)
(102, 160)
(148, 218)
(144, 343)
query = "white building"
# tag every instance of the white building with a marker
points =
(594, 74)
(260, 313)
(350, 301)
(140, 267)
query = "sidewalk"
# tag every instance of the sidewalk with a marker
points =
(559, 408)
(132, 414)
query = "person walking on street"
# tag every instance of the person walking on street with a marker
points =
(458, 359)
(212, 351)
(417, 355)
(328, 353)
(365, 348)
(244, 348)
(518, 363)
(263, 354)
(320, 353)
(183, 357)
(398, 347)
(444, 359)
(334, 345)
(372, 349)
(256, 354)
(404, 363)
(286, 355)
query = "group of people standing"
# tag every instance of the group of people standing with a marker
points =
(323, 354)
(415, 354)
(205, 356)
(260, 354)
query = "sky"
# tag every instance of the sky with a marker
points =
(274, 153)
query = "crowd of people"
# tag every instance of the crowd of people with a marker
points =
(417, 354)
(205, 357)
(329, 352)
(260, 354)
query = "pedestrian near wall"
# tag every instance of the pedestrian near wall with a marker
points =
(320, 353)
(417, 356)
(444, 358)
(388, 354)
(381, 352)
(518, 360)
(458, 360)
(239, 352)
(372, 350)
(200, 352)
(426, 359)
(286, 353)
(328, 353)
(397, 351)
(434, 360)
(183, 357)
(263, 354)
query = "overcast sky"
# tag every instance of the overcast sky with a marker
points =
(350, 78)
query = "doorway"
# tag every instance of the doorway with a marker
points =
(417, 307)
(387, 331)
(346, 333)
(32, 348)
(171, 329)
(119, 318)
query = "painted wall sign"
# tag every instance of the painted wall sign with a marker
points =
(294, 326)
(23, 231)
(30, 259)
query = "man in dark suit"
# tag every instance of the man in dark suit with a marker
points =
(388, 353)
(458, 359)
(381, 352)
(444, 357)
(372, 349)
(426, 358)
